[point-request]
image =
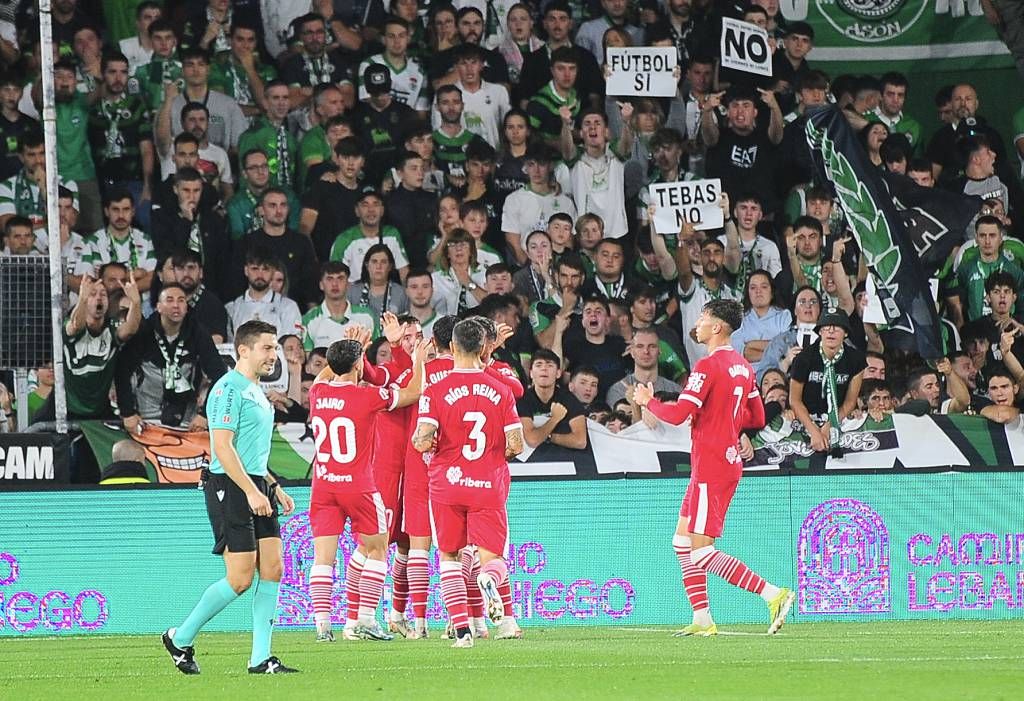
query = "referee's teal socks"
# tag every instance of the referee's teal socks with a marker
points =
(214, 600)
(264, 611)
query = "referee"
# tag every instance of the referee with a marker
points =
(242, 501)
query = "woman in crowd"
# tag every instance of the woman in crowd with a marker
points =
(448, 220)
(510, 170)
(763, 321)
(459, 281)
(376, 288)
(535, 281)
(872, 137)
(788, 344)
(519, 41)
(444, 33)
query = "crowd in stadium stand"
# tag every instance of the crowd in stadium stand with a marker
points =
(316, 164)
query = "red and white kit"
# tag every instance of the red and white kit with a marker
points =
(343, 417)
(472, 410)
(721, 395)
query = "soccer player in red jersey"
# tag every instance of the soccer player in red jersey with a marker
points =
(415, 490)
(343, 417)
(721, 395)
(508, 628)
(389, 457)
(469, 420)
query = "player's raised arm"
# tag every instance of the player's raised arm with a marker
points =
(411, 392)
(675, 413)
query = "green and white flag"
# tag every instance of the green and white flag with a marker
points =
(885, 35)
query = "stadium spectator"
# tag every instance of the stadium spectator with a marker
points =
(259, 301)
(549, 413)
(227, 122)
(596, 348)
(326, 323)
(411, 209)
(127, 464)
(419, 293)
(242, 216)
(529, 209)
(584, 384)
(203, 304)
(376, 288)
(459, 281)
(764, 319)
(269, 133)
(352, 244)
(644, 350)
(329, 203)
(164, 366)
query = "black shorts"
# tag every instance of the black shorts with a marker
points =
(235, 527)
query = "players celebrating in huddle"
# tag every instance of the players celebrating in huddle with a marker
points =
(439, 475)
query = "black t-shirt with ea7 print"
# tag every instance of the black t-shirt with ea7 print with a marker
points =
(808, 368)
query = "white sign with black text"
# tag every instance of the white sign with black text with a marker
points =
(693, 201)
(642, 71)
(276, 381)
(745, 47)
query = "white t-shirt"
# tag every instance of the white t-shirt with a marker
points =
(526, 211)
(212, 153)
(274, 308)
(597, 185)
(408, 86)
(765, 252)
(137, 56)
(482, 111)
(691, 304)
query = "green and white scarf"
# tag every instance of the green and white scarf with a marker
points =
(830, 390)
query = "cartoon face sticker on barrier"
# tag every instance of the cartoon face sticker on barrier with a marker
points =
(178, 456)
(843, 560)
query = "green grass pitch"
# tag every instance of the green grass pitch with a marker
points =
(822, 661)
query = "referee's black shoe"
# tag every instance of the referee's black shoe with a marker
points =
(271, 665)
(184, 658)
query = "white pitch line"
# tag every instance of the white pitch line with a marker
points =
(574, 665)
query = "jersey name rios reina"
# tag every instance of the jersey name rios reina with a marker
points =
(472, 412)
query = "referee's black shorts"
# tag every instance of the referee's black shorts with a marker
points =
(235, 527)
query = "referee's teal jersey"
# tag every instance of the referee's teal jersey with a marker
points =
(238, 404)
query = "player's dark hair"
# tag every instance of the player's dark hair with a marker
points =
(443, 331)
(1000, 278)
(490, 328)
(728, 311)
(247, 333)
(468, 336)
(343, 355)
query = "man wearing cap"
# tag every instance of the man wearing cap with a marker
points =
(589, 82)
(529, 209)
(314, 65)
(789, 63)
(329, 205)
(666, 154)
(351, 245)
(825, 382)
(380, 120)
(408, 79)
(742, 153)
